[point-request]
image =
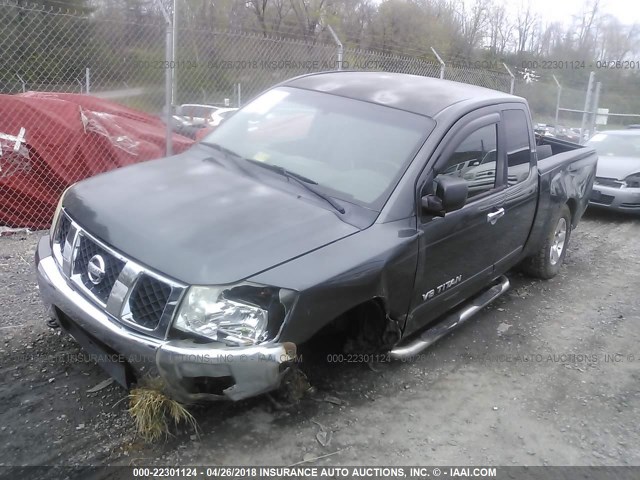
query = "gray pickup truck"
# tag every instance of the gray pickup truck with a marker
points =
(382, 208)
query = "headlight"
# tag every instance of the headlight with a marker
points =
(632, 181)
(239, 315)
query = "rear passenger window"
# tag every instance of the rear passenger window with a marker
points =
(518, 146)
(474, 160)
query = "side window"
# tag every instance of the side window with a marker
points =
(474, 160)
(518, 146)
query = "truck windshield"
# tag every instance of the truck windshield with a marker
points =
(356, 151)
(612, 145)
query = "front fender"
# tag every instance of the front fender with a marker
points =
(378, 262)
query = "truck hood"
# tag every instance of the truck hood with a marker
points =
(617, 167)
(198, 222)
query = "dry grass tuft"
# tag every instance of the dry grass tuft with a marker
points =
(153, 412)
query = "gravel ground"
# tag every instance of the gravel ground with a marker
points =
(548, 375)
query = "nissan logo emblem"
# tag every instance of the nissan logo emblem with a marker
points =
(96, 269)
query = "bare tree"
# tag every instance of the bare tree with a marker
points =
(475, 18)
(354, 20)
(281, 9)
(550, 39)
(586, 24)
(616, 41)
(309, 14)
(259, 7)
(525, 22)
(499, 28)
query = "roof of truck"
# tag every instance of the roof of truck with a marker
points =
(414, 93)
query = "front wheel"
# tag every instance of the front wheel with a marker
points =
(546, 262)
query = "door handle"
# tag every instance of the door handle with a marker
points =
(493, 217)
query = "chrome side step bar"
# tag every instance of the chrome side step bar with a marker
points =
(452, 321)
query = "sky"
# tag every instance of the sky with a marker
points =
(627, 11)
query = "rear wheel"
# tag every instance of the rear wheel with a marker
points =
(546, 262)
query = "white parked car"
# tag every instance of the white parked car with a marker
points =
(194, 114)
(221, 115)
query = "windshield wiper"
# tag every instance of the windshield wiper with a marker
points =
(300, 179)
(282, 171)
(229, 154)
(220, 148)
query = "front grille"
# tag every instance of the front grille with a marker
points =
(608, 182)
(128, 291)
(148, 300)
(87, 249)
(602, 199)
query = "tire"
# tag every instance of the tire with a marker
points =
(547, 261)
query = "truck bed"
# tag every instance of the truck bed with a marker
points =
(562, 152)
(565, 177)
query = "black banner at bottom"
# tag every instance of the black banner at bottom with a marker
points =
(321, 473)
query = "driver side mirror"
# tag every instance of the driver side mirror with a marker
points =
(451, 194)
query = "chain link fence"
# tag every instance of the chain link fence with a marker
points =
(576, 110)
(87, 91)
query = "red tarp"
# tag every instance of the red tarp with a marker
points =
(66, 137)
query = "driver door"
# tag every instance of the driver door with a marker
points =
(456, 252)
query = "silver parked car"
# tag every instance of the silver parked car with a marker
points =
(617, 184)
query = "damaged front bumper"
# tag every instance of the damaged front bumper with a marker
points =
(191, 371)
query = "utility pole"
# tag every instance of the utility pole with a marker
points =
(174, 65)
(339, 45)
(587, 104)
(594, 115)
(557, 100)
(513, 78)
(440, 61)
(168, 79)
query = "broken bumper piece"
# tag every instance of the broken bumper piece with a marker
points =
(191, 371)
